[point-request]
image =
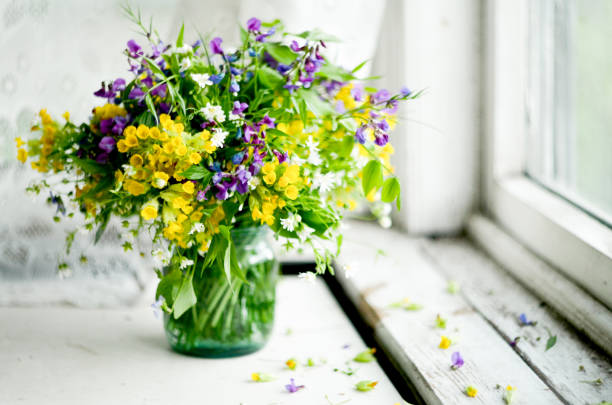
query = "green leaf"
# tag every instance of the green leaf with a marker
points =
(334, 72)
(179, 40)
(270, 77)
(197, 173)
(372, 176)
(89, 166)
(168, 286)
(281, 53)
(552, 340)
(315, 104)
(105, 218)
(358, 67)
(346, 146)
(390, 190)
(365, 356)
(303, 112)
(185, 299)
(317, 35)
(150, 105)
(153, 66)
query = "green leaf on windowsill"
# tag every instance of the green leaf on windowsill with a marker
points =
(552, 340)
(366, 356)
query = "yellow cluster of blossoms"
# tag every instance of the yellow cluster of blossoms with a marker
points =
(279, 181)
(42, 147)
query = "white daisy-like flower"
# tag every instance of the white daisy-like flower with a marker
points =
(218, 137)
(213, 112)
(304, 233)
(296, 160)
(313, 152)
(161, 256)
(185, 263)
(198, 227)
(202, 79)
(291, 222)
(254, 182)
(234, 117)
(186, 48)
(128, 170)
(185, 64)
(308, 276)
(324, 182)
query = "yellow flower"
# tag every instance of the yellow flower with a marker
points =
(119, 176)
(66, 116)
(291, 192)
(283, 181)
(270, 178)
(179, 128)
(134, 187)
(471, 391)
(22, 155)
(195, 158)
(142, 132)
(179, 202)
(188, 187)
(19, 142)
(255, 377)
(121, 146)
(131, 141)
(444, 343)
(209, 147)
(181, 150)
(136, 160)
(268, 168)
(154, 133)
(130, 130)
(292, 173)
(149, 212)
(291, 363)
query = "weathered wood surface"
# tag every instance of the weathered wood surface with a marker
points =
(501, 299)
(75, 356)
(387, 267)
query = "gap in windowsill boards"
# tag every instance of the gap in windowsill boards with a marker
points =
(392, 369)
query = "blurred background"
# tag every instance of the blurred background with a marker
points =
(55, 54)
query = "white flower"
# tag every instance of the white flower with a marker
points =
(157, 306)
(313, 152)
(254, 182)
(159, 183)
(186, 48)
(185, 263)
(234, 117)
(304, 233)
(296, 160)
(185, 64)
(349, 270)
(161, 256)
(213, 113)
(291, 222)
(197, 227)
(218, 137)
(308, 276)
(202, 79)
(385, 222)
(129, 170)
(325, 182)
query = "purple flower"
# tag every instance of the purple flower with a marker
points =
(118, 85)
(295, 47)
(237, 158)
(523, 321)
(102, 158)
(242, 177)
(357, 93)
(383, 125)
(249, 133)
(104, 92)
(57, 200)
(235, 71)
(134, 49)
(160, 90)
(391, 107)
(292, 387)
(106, 126)
(201, 195)
(266, 120)
(216, 79)
(157, 49)
(120, 123)
(381, 96)
(215, 46)
(405, 91)
(234, 87)
(239, 107)
(340, 108)
(380, 138)
(282, 157)
(107, 144)
(253, 24)
(164, 108)
(291, 87)
(360, 135)
(136, 93)
(283, 69)
(457, 360)
(147, 81)
(262, 37)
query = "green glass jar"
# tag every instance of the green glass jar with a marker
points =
(234, 320)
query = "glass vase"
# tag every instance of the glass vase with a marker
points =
(230, 320)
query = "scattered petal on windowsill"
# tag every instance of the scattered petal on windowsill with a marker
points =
(349, 371)
(292, 387)
(509, 394)
(365, 385)
(523, 321)
(291, 363)
(596, 382)
(457, 360)
(366, 356)
(453, 287)
(262, 377)
(407, 305)
(445, 342)
(471, 391)
(514, 342)
(440, 322)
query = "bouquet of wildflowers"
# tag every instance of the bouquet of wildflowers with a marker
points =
(203, 139)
